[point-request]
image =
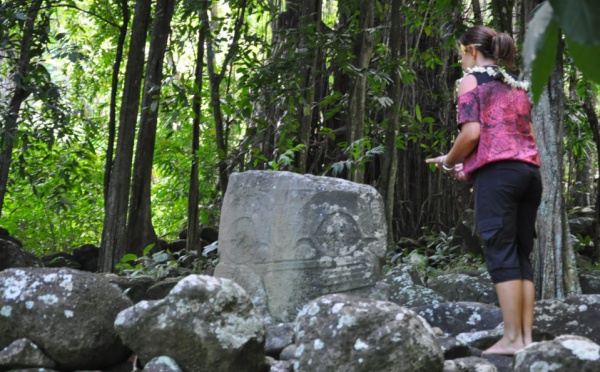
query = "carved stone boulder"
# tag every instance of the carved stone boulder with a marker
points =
(288, 238)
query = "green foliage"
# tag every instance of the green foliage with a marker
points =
(359, 153)
(158, 265)
(581, 242)
(162, 264)
(440, 249)
(285, 160)
(578, 20)
(586, 58)
(55, 191)
(53, 204)
(438, 255)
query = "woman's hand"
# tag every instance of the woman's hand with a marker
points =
(437, 161)
(456, 171)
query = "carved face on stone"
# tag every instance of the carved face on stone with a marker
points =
(289, 238)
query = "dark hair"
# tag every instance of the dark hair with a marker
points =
(498, 46)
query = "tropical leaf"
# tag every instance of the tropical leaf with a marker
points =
(539, 48)
(579, 19)
(586, 58)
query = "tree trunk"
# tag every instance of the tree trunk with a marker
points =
(363, 49)
(554, 259)
(193, 233)
(590, 111)
(114, 238)
(310, 24)
(390, 161)
(22, 91)
(477, 12)
(502, 11)
(139, 227)
(112, 121)
(215, 91)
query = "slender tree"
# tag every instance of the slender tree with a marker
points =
(114, 88)
(139, 226)
(309, 25)
(477, 15)
(216, 77)
(363, 49)
(502, 11)
(390, 161)
(114, 233)
(193, 235)
(22, 79)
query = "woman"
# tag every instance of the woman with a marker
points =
(495, 149)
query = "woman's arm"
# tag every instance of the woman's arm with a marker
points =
(468, 138)
(465, 143)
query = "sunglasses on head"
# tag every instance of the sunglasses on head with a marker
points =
(463, 48)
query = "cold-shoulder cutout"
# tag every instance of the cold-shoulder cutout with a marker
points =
(467, 84)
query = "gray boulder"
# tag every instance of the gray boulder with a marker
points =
(288, 353)
(481, 339)
(565, 353)
(288, 238)
(205, 324)
(279, 336)
(161, 289)
(453, 348)
(12, 255)
(469, 364)
(23, 353)
(344, 333)
(135, 287)
(162, 364)
(87, 256)
(576, 315)
(4, 234)
(459, 317)
(404, 274)
(280, 365)
(403, 286)
(60, 260)
(465, 288)
(590, 281)
(68, 313)
(414, 296)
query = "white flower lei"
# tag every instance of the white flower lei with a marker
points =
(494, 71)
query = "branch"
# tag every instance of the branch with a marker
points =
(236, 36)
(105, 20)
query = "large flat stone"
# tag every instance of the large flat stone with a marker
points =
(288, 238)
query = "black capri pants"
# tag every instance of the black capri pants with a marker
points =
(507, 197)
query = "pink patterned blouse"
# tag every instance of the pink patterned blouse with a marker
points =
(504, 115)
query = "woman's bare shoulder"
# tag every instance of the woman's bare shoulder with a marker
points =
(467, 84)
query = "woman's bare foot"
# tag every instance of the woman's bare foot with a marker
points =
(504, 347)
